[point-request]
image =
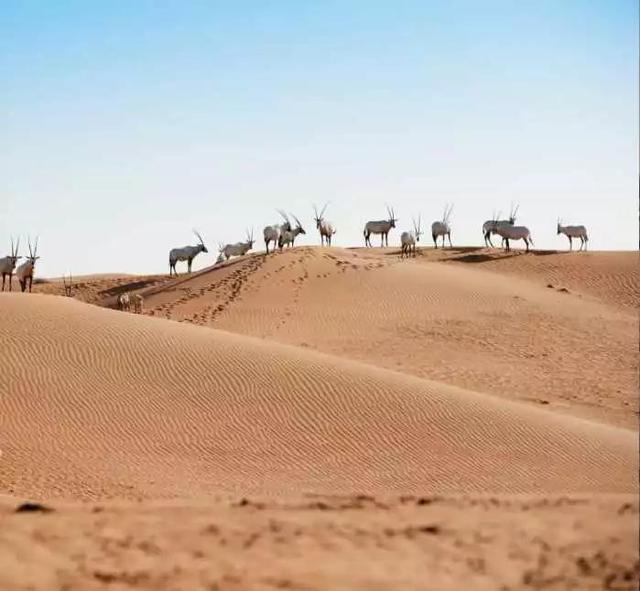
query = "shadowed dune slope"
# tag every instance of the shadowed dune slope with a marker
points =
(493, 327)
(97, 403)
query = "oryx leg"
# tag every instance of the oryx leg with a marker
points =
(189, 261)
(570, 243)
(3, 276)
(30, 282)
(449, 237)
(23, 284)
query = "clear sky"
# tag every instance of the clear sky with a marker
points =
(125, 124)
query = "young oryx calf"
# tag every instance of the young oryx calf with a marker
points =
(138, 303)
(325, 228)
(288, 237)
(124, 302)
(572, 232)
(382, 227)
(515, 233)
(8, 263)
(186, 253)
(238, 249)
(272, 233)
(489, 227)
(408, 239)
(25, 271)
(442, 228)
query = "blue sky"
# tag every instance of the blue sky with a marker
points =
(125, 124)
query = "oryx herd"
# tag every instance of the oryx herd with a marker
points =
(284, 233)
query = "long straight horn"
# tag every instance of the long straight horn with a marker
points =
(198, 236)
(324, 209)
(35, 248)
(315, 211)
(29, 244)
(17, 247)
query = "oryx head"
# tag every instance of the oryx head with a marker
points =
(33, 254)
(319, 217)
(299, 227)
(250, 239)
(13, 258)
(203, 248)
(392, 216)
(417, 228)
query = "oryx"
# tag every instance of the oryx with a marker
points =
(382, 227)
(237, 249)
(489, 227)
(325, 228)
(25, 271)
(515, 233)
(68, 287)
(138, 303)
(572, 232)
(408, 239)
(8, 263)
(272, 233)
(442, 227)
(124, 301)
(288, 237)
(186, 253)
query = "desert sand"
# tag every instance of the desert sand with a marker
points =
(324, 419)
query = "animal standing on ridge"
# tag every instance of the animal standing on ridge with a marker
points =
(489, 227)
(272, 233)
(138, 303)
(382, 227)
(572, 232)
(325, 228)
(238, 249)
(442, 227)
(288, 237)
(8, 263)
(408, 239)
(124, 302)
(25, 271)
(186, 253)
(509, 233)
(68, 287)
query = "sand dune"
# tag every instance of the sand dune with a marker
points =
(99, 403)
(494, 327)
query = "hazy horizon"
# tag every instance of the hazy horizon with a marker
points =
(125, 126)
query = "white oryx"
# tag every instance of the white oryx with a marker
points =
(288, 237)
(124, 301)
(489, 227)
(325, 228)
(138, 303)
(68, 287)
(24, 272)
(238, 249)
(382, 227)
(515, 233)
(8, 263)
(408, 239)
(442, 227)
(272, 233)
(572, 232)
(186, 253)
